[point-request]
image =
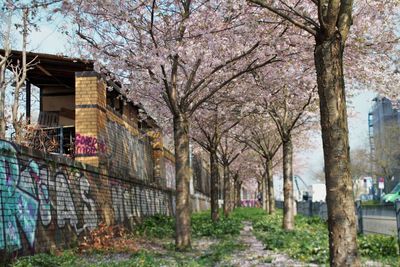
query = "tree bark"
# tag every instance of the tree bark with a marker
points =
(227, 192)
(214, 184)
(182, 224)
(265, 194)
(288, 207)
(15, 119)
(2, 102)
(271, 192)
(328, 56)
(238, 189)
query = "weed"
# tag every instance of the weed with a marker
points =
(309, 241)
(64, 259)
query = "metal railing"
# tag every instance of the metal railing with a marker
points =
(371, 219)
(58, 140)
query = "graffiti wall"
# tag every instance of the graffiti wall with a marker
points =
(48, 202)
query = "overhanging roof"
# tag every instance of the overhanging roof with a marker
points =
(52, 70)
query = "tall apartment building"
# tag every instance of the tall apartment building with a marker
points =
(384, 134)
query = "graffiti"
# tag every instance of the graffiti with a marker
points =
(18, 201)
(25, 200)
(89, 209)
(118, 204)
(139, 201)
(47, 201)
(64, 203)
(88, 145)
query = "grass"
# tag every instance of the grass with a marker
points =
(220, 251)
(309, 241)
(154, 227)
(161, 226)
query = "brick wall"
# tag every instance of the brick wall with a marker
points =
(49, 202)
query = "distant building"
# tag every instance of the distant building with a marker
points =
(384, 135)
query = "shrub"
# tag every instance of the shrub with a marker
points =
(377, 246)
(159, 226)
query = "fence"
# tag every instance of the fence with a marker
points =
(50, 202)
(371, 219)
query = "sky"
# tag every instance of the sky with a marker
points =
(49, 40)
(358, 108)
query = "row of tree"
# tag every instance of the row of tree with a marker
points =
(235, 74)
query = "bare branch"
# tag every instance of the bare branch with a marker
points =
(262, 3)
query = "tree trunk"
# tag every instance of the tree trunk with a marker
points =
(328, 58)
(232, 195)
(271, 192)
(182, 224)
(265, 195)
(15, 120)
(227, 192)
(238, 189)
(288, 208)
(214, 184)
(2, 102)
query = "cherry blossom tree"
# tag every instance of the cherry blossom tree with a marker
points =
(229, 151)
(262, 137)
(172, 56)
(212, 122)
(328, 23)
(288, 112)
(243, 172)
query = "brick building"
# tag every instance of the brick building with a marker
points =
(93, 122)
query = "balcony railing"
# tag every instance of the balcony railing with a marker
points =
(58, 140)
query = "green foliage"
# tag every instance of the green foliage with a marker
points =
(202, 225)
(248, 214)
(377, 246)
(309, 241)
(142, 258)
(159, 226)
(65, 259)
(219, 252)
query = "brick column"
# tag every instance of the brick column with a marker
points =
(90, 117)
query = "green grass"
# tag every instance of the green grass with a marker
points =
(217, 252)
(203, 226)
(248, 214)
(161, 226)
(309, 241)
(66, 259)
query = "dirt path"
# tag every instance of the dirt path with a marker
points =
(256, 255)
